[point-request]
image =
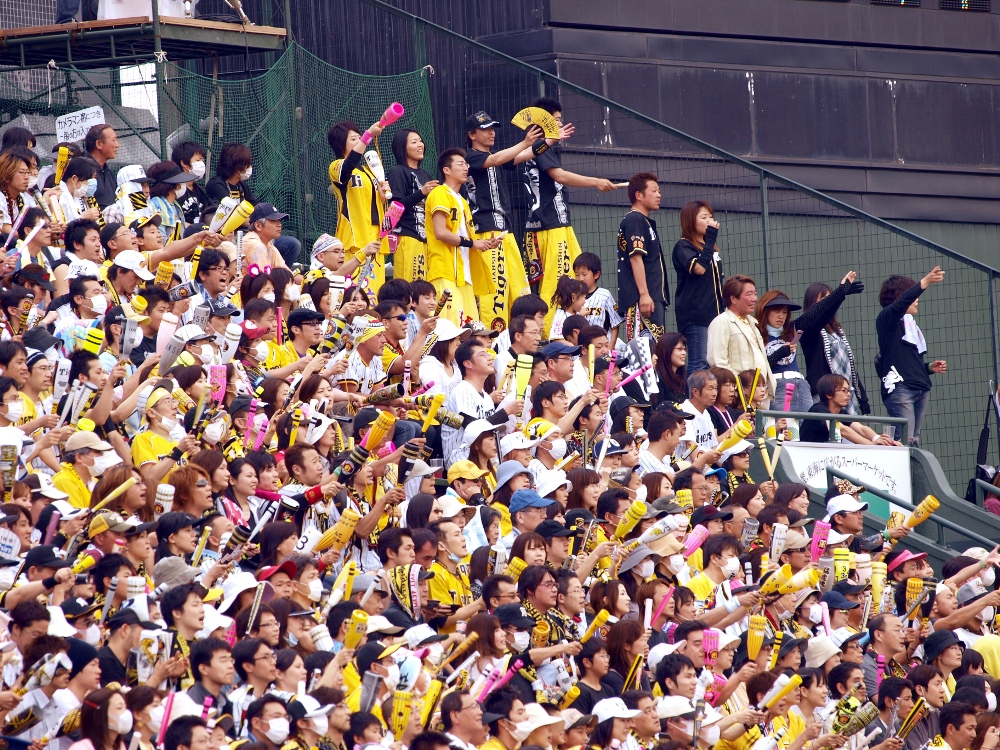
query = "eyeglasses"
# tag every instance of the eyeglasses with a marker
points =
(548, 584)
(267, 657)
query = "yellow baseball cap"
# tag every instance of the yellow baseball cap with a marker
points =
(464, 470)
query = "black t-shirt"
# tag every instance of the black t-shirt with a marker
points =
(146, 348)
(217, 189)
(112, 670)
(699, 297)
(193, 202)
(107, 186)
(637, 236)
(588, 697)
(405, 183)
(550, 209)
(487, 193)
(815, 430)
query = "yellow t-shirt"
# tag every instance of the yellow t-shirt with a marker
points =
(449, 588)
(702, 587)
(280, 356)
(362, 209)
(445, 261)
(148, 447)
(67, 480)
(353, 701)
(795, 725)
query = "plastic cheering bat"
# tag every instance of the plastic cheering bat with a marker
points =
(224, 211)
(778, 534)
(710, 645)
(879, 574)
(357, 626)
(841, 564)
(461, 648)
(338, 536)
(740, 431)
(923, 511)
(116, 493)
(393, 213)
(402, 706)
(450, 418)
(775, 650)
(776, 580)
(821, 532)
(392, 113)
(537, 116)
(755, 635)
(694, 540)
(630, 520)
(540, 635)
(571, 695)
(750, 527)
(442, 301)
(599, 619)
(918, 712)
(914, 588)
(762, 444)
(804, 579)
(237, 218)
(515, 567)
(374, 162)
(791, 685)
(522, 373)
(62, 159)
(384, 395)
(432, 409)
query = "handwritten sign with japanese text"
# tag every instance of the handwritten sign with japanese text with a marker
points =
(73, 126)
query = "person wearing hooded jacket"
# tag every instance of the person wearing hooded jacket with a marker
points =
(410, 183)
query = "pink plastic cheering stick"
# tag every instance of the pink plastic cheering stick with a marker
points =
(611, 371)
(261, 433)
(510, 674)
(50, 530)
(826, 618)
(423, 389)
(392, 216)
(280, 325)
(635, 375)
(206, 706)
(821, 532)
(880, 661)
(392, 113)
(253, 408)
(217, 377)
(663, 604)
(789, 392)
(694, 540)
(490, 681)
(166, 718)
(386, 449)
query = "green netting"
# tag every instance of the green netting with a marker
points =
(283, 117)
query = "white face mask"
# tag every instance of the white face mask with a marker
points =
(269, 296)
(156, 718)
(522, 640)
(99, 304)
(213, 432)
(815, 614)
(315, 590)
(988, 577)
(676, 563)
(710, 734)
(522, 730)
(177, 433)
(293, 292)
(786, 615)
(558, 449)
(207, 354)
(93, 637)
(52, 355)
(136, 338)
(198, 169)
(123, 725)
(991, 701)
(32, 182)
(732, 566)
(181, 189)
(168, 423)
(260, 351)
(436, 652)
(15, 410)
(988, 614)
(646, 568)
(247, 174)
(277, 731)
(321, 725)
(392, 680)
(102, 463)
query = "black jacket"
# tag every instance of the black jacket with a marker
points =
(699, 298)
(893, 351)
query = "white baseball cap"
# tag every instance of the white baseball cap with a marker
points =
(516, 441)
(843, 504)
(612, 708)
(133, 260)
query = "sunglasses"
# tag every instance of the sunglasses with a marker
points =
(400, 318)
(201, 483)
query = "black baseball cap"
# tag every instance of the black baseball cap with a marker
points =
(265, 211)
(39, 338)
(173, 175)
(301, 315)
(558, 349)
(36, 274)
(847, 588)
(44, 556)
(109, 231)
(174, 521)
(709, 513)
(240, 403)
(548, 529)
(76, 607)
(480, 120)
(514, 615)
(221, 308)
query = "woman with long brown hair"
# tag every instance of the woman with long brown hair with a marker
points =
(699, 279)
(626, 641)
(586, 488)
(135, 501)
(104, 721)
(825, 347)
(671, 368)
(192, 490)
(491, 644)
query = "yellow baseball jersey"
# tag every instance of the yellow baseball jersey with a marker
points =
(280, 356)
(445, 261)
(148, 447)
(449, 588)
(362, 208)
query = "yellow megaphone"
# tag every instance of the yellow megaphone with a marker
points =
(776, 580)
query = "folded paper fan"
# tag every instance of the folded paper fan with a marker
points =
(537, 116)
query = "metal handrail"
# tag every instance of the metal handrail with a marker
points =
(988, 489)
(942, 523)
(816, 415)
